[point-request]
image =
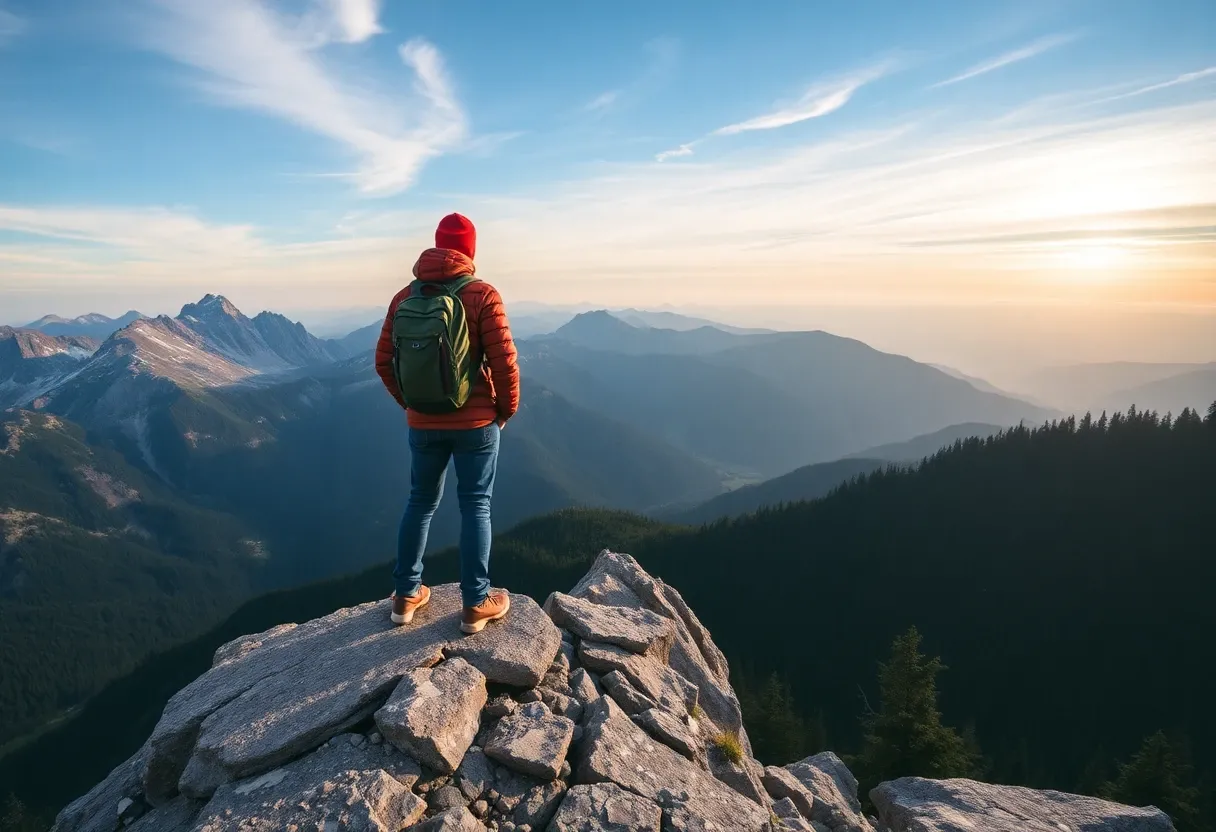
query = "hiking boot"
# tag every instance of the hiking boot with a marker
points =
(405, 606)
(494, 607)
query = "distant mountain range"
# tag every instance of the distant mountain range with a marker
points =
(762, 404)
(1165, 387)
(89, 326)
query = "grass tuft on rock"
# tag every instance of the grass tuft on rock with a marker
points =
(728, 746)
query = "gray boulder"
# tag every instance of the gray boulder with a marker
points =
(512, 787)
(631, 700)
(457, 819)
(583, 687)
(338, 783)
(97, 811)
(561, 704)
(501, 705)
(256, 709)
(540, 804)
(742, 776)
(237, 667)
(782, 785)
(445, 798)
(913, 804)
(636, 629)
(515, 651)
(618, 580)
(605, 807)
(434, 713)
(671, 731)
(615, 750)
(474, 777)
(654, 678)
(531, 743)
(833, 789)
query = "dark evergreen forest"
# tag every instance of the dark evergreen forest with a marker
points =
(1059, 581)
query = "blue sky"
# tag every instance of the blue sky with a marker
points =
(296, 155)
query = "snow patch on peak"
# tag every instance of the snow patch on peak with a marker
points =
(211, 305)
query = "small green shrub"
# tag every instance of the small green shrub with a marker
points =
(729, 746)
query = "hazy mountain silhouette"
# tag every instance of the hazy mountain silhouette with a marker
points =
(93, 325)
(1081, 386)
(603, 330)
(809, 482)
(1166, 395)
(919, 447)
(763, 404)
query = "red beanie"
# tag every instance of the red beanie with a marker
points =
(456, 232)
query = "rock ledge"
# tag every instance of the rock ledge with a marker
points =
(573, 718)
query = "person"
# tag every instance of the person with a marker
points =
(468, 434)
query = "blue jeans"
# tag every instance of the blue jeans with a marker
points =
(476, 455)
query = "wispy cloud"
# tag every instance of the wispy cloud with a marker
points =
(356, 20)
(1185, 78)
(144, 233)
(1038, 47)
(602, 101)
(682, 150)
(255, 58)
(11, 27)
(820, 100)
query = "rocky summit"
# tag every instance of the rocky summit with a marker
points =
(609, 709)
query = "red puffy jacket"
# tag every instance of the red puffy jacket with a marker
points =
(495, 395)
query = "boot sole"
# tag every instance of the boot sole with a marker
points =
(408, 616)
(477, 626)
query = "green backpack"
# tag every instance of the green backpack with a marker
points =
(432, 358)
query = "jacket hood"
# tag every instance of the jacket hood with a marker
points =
(442, 264)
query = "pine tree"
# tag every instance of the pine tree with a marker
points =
(15, 818)
(1211, 420)
(1158, 775)
(906, 736)
(774, 725)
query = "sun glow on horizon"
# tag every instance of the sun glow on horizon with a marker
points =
(1099, 256)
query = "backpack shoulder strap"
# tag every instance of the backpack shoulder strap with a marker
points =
(451, 287)
(455, 287)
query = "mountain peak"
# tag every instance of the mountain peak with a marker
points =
(601, 316)
(599, 322)
(210, 306)
(44, 321)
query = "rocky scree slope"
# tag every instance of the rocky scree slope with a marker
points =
(31, 362)
(608, 709)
